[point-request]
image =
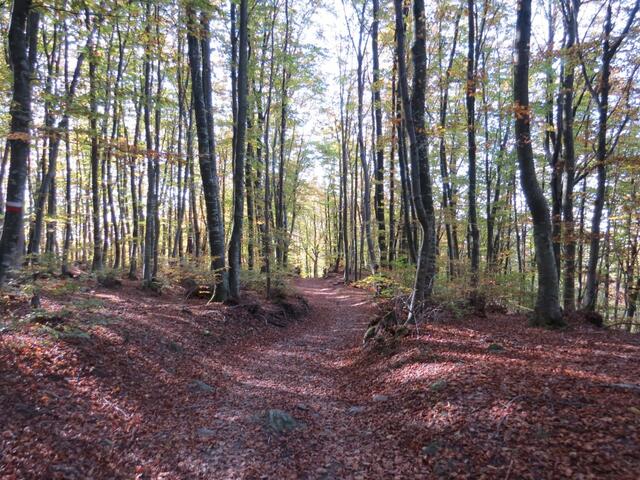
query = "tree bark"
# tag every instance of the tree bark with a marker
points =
(547, 311)
(201, 88)
(609, 50)
(97, 262)
(235, 246)
(413, 110)
(152, 161)
(378, 197)
(471, 145)
(23, 34)
(570, 14)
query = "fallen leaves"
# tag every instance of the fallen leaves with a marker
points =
(152, 396)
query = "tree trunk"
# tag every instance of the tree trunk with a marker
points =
(280, 206)
(378, 198)
(152, 197)
(601, 96)
(448, 206)
(392, 172)
(23, 35)
(201, 88)
(235, 246)
(97, 263)
(413, 110)
(569, 292)
(547, 311)
(471, 146)
(344, 175)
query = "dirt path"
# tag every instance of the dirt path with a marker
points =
(163, 388)
(306, 374)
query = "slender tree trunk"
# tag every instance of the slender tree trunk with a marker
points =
(48, 179)
(413, 110)
(569, 292)
(151, 156)
(405, 189)
(392, 173)
(344, 177)
(453, 252)
(378, 199)
(250, 192)
(609, 49)
(157, 149)
(3, 171)
(471, 145)
(552, 144)
(280, 206)
(235, 246)
(97, 263)
(135, 241)
(182, 164)
(266, 224)
(366, 180)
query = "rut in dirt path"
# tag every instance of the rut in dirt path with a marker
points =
(305, 374)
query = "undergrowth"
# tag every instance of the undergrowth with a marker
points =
(498, 292)
(382, 285)
(256, 281)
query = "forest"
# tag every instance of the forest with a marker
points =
(319, 239)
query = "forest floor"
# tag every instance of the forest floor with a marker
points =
(139, 386)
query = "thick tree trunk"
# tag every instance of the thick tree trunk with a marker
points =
(23, 34)
(547, 311)
(201, 89)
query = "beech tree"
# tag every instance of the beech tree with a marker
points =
(548, 303)
(23, 50)
(603, 149)
(413, 114)
(199, 61)
(235, 246)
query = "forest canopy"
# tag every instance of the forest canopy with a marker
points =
(477, 149)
